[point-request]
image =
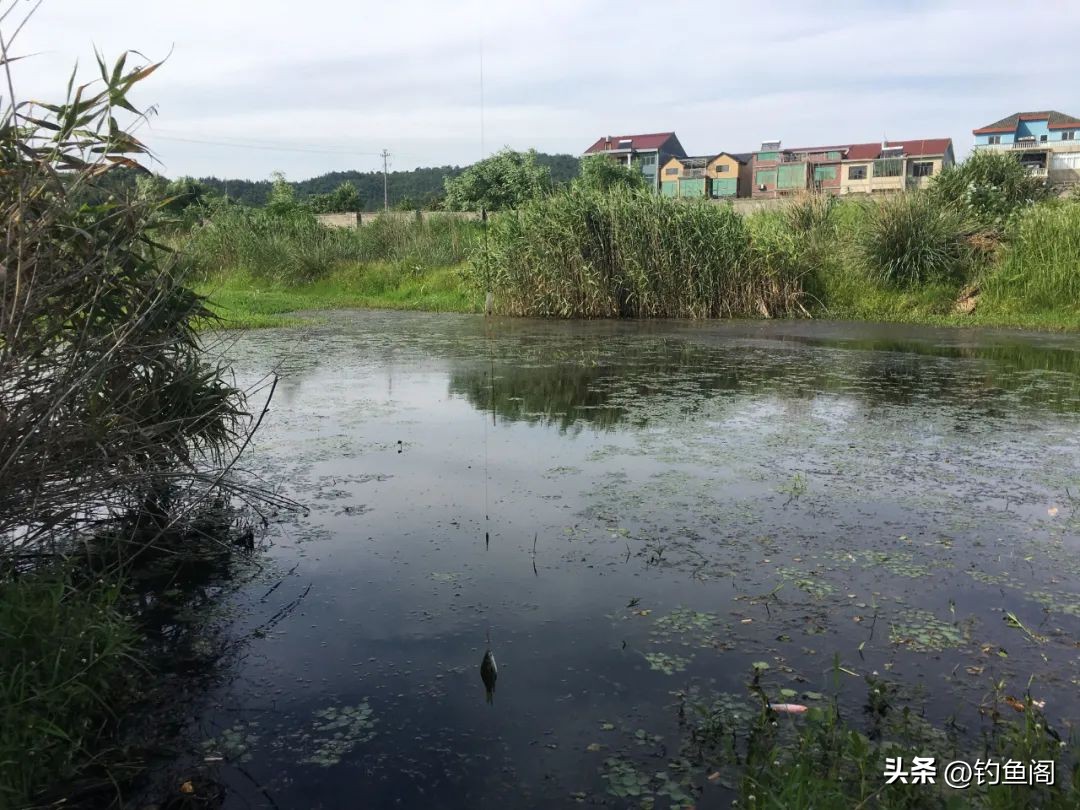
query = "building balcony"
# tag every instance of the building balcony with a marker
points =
(1033, 146)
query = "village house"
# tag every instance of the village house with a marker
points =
(1047, 142)
(779, 172)
(722, 176)
(643, 152)
(848, 168)
(876, 168)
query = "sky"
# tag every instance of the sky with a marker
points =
(305, 88)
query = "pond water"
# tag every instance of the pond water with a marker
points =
(636, 515)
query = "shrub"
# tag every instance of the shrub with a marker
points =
(989, 188)
(601, 173)
(911, 239)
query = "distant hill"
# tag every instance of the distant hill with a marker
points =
(420, 187)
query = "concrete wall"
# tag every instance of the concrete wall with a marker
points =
(339, 220)
(367, 217)
(746, 205)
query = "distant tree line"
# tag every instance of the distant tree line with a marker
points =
(494, 183)
(417, 188)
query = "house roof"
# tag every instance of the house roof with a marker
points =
(742, 157)
(697, 161)
(1053, 118)
(650, 141)
(810, 149)
(922, 148)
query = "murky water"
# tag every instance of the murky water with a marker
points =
(636, 515)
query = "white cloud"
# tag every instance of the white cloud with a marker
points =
(357, 76)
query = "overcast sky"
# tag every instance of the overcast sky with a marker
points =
(334, 82)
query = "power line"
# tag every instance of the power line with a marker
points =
(241, 145)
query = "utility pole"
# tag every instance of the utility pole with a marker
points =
(385, 195)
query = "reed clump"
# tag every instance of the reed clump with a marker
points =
(114, 427)
(625, 253)
(911, 239)
(1039, 266)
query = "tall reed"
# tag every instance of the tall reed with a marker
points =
(1040, 264)
(625, 253)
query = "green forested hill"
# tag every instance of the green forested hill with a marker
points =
(419, 187)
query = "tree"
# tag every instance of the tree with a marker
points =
(343, 199)
(282, 201)
(185, 192)
(989, 187)
(601, 173)
(505, 180)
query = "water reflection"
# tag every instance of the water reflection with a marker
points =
(592, 390)
(702, 499)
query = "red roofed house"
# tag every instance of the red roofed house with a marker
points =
(1047, 142)
(848, 168)
(644, 152)
(780, 172)
(894, 165)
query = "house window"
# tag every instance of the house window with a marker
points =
(672, 171)
(1042, 139)
(856, 173)
(722, 167)
(766, 178)
(647, 160)
(922, 169)
(824, 173)
(768, 156)
(1068, 135)
(889, 167)
(993, 139)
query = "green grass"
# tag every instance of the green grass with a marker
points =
(606, 255)
(245, 301)
(1039, 268)
(292, 247)
(66, 659)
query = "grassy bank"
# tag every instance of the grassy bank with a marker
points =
(1004, 256)
(256, 266)
(243, 300)
(70, 656)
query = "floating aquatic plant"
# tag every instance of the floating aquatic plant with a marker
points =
(338, 730)
(921, 630)
(668, 664)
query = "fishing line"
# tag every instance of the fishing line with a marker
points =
(487, 332)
